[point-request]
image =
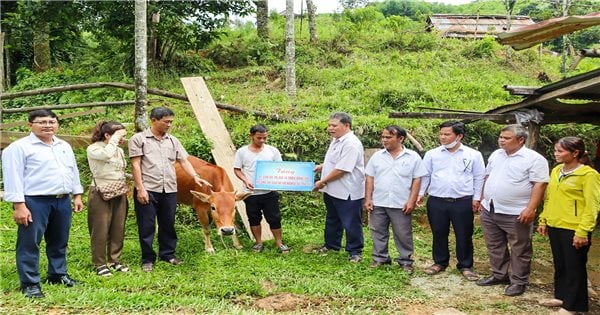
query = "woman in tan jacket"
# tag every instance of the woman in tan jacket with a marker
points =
(106, 218)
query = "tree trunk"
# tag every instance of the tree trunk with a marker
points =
(262, 18)
(1, 66)
(41, 47)
(290, 49)
(152, 40)
(312, 26)
(141, 63)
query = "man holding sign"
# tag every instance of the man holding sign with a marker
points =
(261, 202)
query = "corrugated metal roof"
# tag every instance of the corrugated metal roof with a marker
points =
(547, 99)
(528, 36)
(473, 26)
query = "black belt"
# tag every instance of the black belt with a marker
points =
(57, 196)
(452, 199)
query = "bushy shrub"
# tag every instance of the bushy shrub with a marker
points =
(483, 48)
(406, 99)
(236, 50)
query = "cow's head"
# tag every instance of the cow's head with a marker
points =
(222, 208)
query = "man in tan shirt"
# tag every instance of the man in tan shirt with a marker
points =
(153, 154)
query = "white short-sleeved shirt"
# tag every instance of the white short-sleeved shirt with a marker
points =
(345, 153)
(393, 178)
(453, 174)
(245, 160)
(34, 168)
(510, 179)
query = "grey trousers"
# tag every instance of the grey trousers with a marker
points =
(501, 232)
(106, 224)
(379, 224)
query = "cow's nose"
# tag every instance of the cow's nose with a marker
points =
(227, 230)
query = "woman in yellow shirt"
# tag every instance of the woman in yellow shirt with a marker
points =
(568, 219)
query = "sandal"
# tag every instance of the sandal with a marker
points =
(103, 271)
(147, 267)
(434, 269)
(257, 248)
(469, 274)
(284, 249)
(119, 267)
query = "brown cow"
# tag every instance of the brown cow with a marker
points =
(220, 200)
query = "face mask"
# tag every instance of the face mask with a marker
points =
(451, 144)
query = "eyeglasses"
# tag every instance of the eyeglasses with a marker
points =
(45, 122)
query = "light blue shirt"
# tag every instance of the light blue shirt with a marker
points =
(346, 154)
(33, 168)
(453, 174)
(511, 178)
(393, 178)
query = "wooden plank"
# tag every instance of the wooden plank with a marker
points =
(6, 137)
(61, 117)
(214, 129)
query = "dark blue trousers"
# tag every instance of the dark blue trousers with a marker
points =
(344, 215)
(161, 208)
(441, 212)
(52, 219)
(570, 273)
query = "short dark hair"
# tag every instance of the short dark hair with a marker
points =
(396, 130)
(458, 128)
(258, 128)
(41, 113)
(344, 118)
(159, 112)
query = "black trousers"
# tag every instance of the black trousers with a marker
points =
(441, 212)
(161, 208)
(570, 274)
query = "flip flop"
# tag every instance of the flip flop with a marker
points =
(284, 249)
(469, 274)
(257, 248)
(434, 269)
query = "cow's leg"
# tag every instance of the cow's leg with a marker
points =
(203, 217)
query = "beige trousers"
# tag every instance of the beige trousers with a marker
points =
(106, 224)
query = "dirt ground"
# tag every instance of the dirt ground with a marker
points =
(448, 294)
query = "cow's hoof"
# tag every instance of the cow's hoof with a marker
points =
(238, 247)
(210, 251)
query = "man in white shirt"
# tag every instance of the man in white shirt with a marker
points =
(391, 190)
(261, 202)
(516, 179)
(343, 184)
(40, 176)
(454, 182)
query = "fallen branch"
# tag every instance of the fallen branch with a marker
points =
(130, 87)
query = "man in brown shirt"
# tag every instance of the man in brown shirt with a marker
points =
(153, 154)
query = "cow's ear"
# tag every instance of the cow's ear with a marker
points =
(203, 197)
(242, 196)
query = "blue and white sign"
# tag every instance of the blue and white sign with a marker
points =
(286, 175)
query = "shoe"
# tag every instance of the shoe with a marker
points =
(103, 271)
(257, 248)
(407, 268)
(32, 291)
(515, 289)
(64, 279)
(174, 261)
(147, 267)
(377, 264)
(355, 259)
(322, 250)
(117, 266)
(491, 280)
(469, 274)
(550, 302)
(284, 249)
(434, 269)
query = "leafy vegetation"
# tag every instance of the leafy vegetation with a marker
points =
(368, 62)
